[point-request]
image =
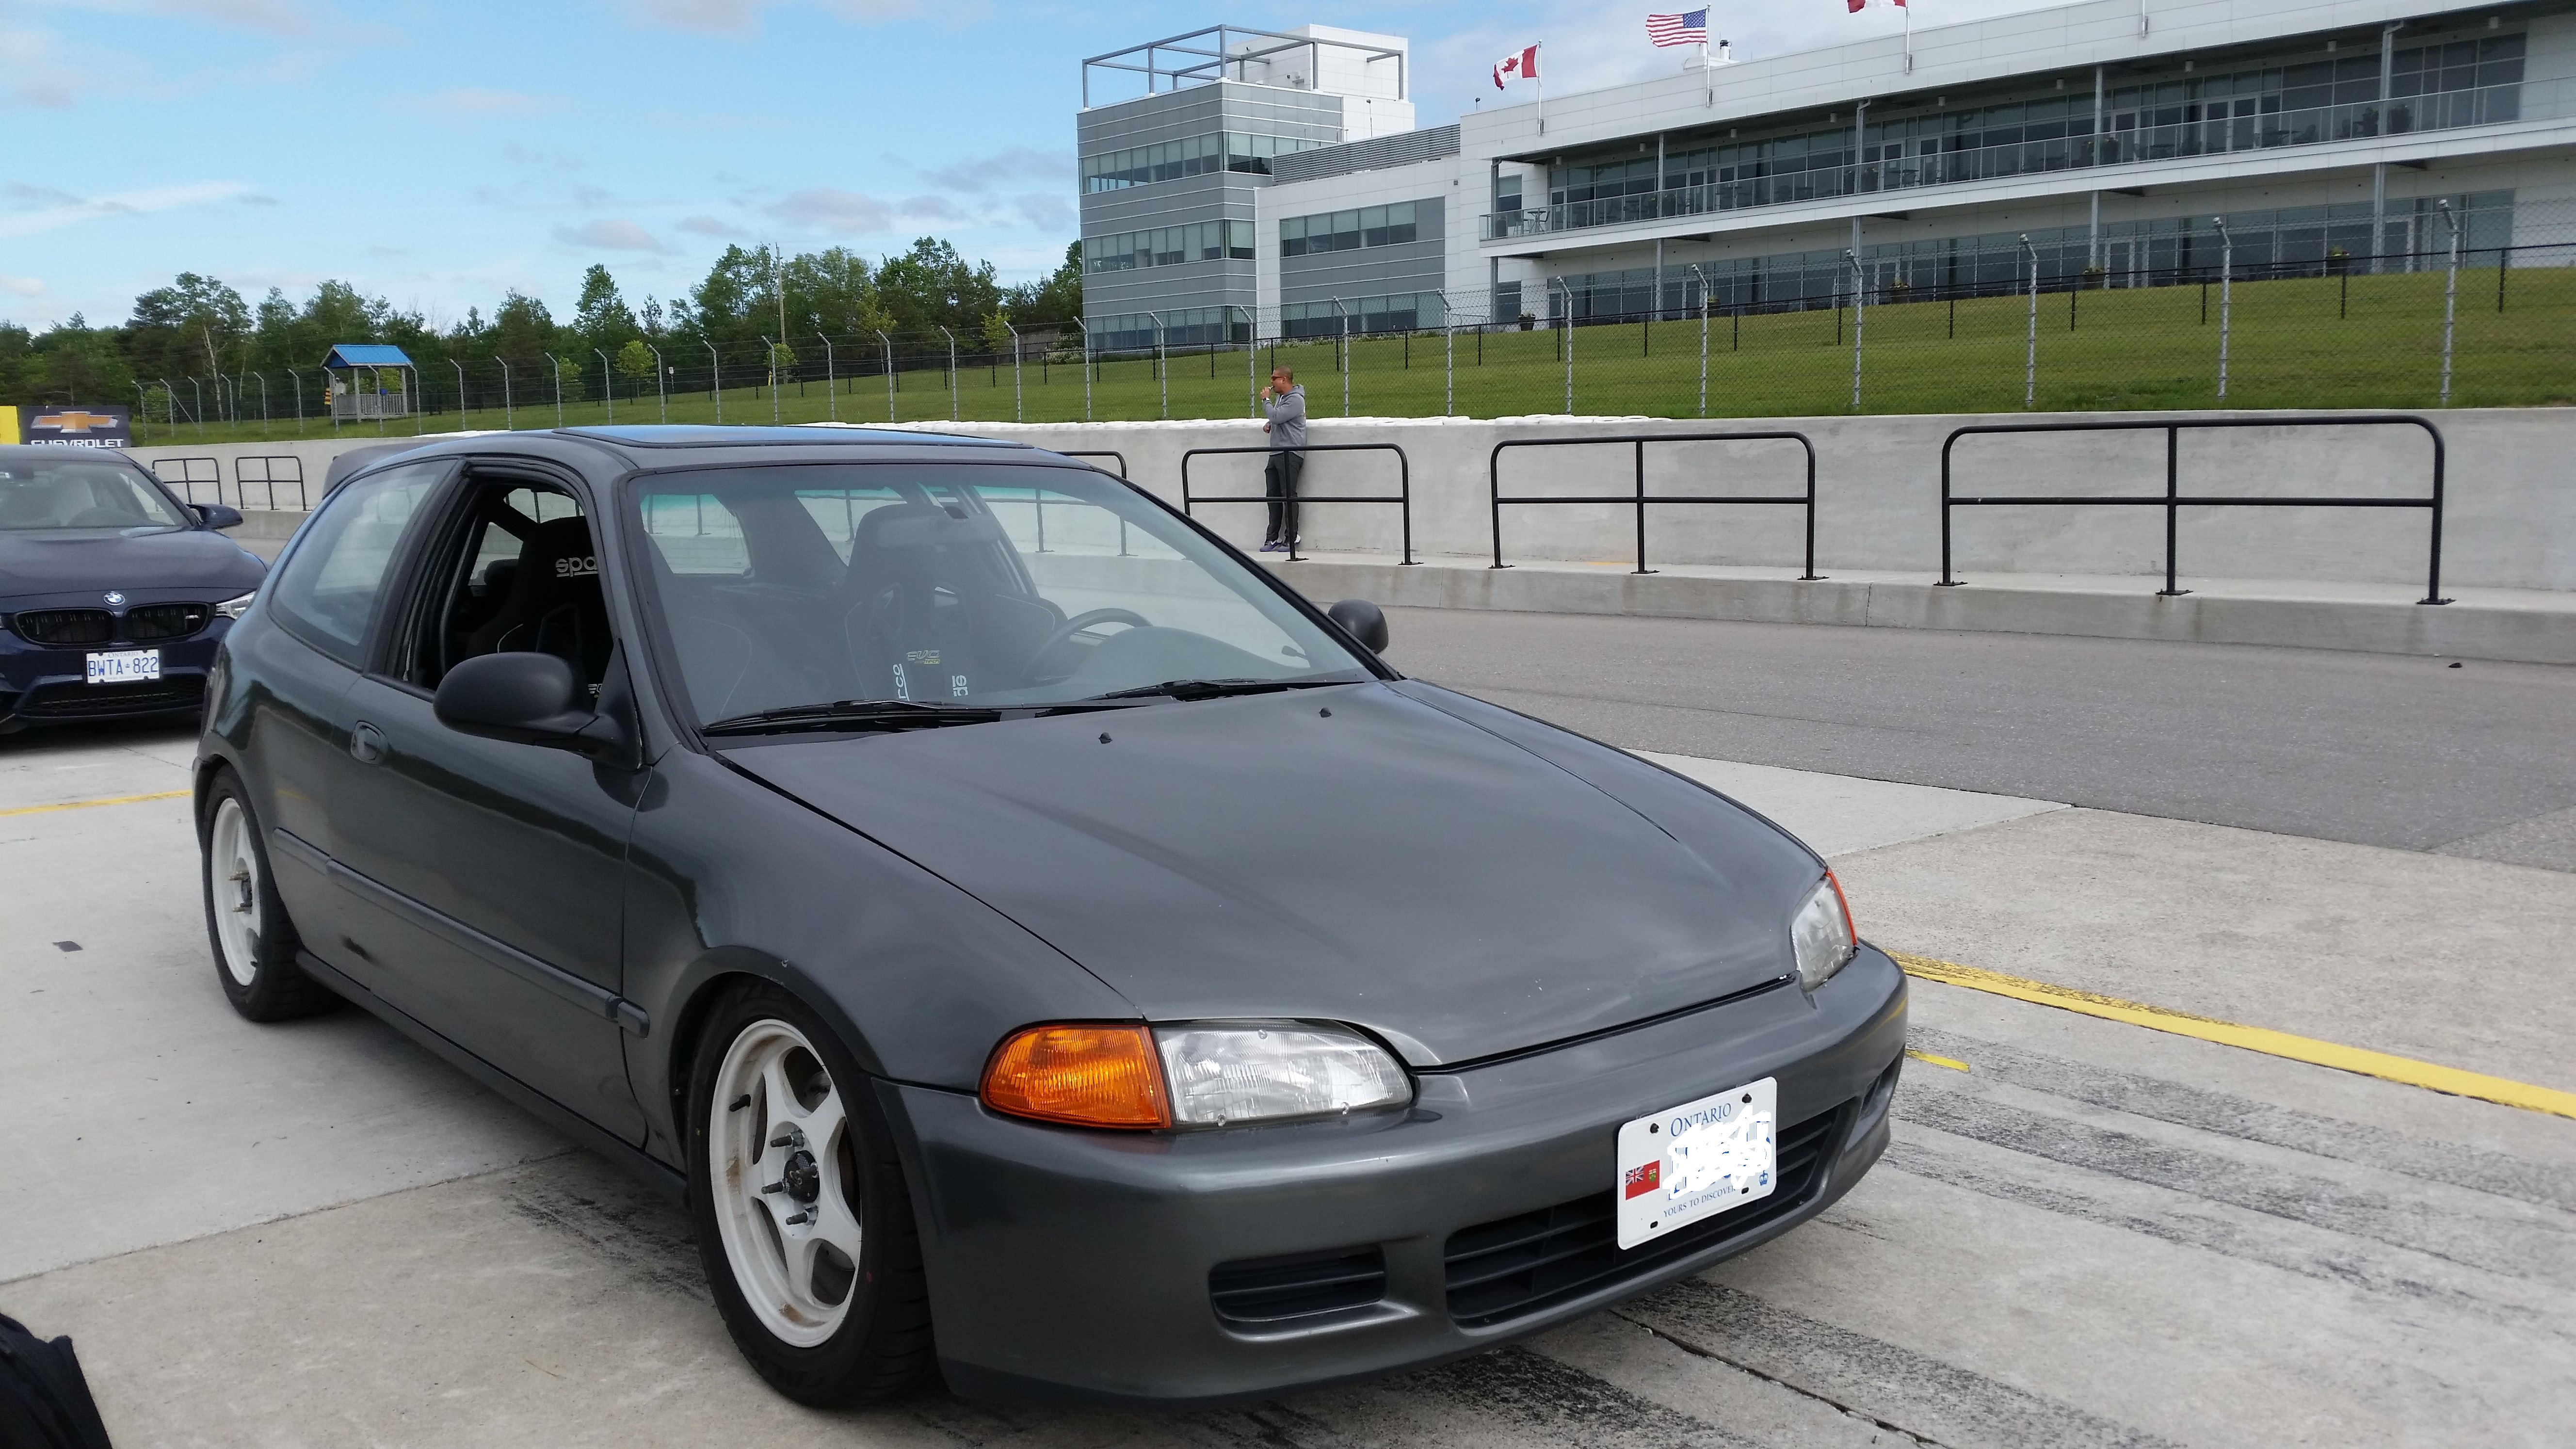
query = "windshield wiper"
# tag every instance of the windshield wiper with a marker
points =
(852, 714)
(1216, 688)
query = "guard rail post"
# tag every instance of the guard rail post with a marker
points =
(1402, 498)
(1638, 497)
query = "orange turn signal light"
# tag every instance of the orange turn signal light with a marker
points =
(1091, 1076)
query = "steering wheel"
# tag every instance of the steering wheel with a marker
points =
(1086, 620)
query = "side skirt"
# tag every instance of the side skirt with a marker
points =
(653, 1172)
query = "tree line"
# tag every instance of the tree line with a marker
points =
(199, 327)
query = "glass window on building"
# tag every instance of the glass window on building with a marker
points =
(1341, 231)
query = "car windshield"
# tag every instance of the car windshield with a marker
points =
(916, 587)
(82, 491)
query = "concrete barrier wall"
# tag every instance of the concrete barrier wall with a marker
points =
(2511, 520)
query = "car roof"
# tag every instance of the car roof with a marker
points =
(701, 435)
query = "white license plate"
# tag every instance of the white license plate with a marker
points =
(123, 666)
(1696, 1160)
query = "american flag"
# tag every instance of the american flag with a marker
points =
(1688, 28)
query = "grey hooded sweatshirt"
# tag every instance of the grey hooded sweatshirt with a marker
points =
(1288, 417)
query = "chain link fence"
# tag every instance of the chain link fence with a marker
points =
(2446, 324)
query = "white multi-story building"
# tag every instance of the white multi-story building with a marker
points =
(2330, 134)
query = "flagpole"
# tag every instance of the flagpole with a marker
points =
(1706, 79)
(1909, 37)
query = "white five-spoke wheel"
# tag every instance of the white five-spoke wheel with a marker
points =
(254, 943)
(784, 1173)
(233, 891)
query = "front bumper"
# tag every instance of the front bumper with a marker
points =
(1074, 1266)
(47, 684)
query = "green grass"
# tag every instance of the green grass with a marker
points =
(2310, 342)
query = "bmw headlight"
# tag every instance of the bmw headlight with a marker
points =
(1251, 1071)
(235, 608)
(1820, 934)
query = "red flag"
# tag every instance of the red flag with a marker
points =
(1523, 66)
(1857, 6)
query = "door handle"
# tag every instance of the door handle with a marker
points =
(367, 743)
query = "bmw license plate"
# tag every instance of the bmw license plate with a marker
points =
(1696, 1160)
(124, 666)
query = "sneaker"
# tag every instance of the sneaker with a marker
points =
(1274, 546)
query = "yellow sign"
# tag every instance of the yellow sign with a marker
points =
(8, 425)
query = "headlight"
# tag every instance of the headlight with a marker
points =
(1820, 934)
(235, 608)
(1252, 1071)
(1196, 1074)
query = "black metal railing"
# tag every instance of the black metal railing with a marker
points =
(1037, 497)
(185, 474)
(2173, 500)
(265, 469)
(1640, 498)
(1402, 497)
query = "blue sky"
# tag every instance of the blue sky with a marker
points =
(439, 154)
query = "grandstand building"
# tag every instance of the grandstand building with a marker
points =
(1274, 183)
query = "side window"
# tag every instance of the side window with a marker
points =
(328, 591)
(522, 578)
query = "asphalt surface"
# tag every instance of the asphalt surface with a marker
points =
(2374, 749)
(2084, 1233)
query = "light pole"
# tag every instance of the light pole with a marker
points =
(661, 388)
(558, 366)
(1560, 284)
(1343, 345)
(831, 387)
(771, 349)
(1702, 278)
(2030, 350)
(889, 357)
(1086, 369)
(1015, 368)
(1859, 287)
(460, 395)
(715, 380)
(952, 372)
(2226, 277)
(1162, 374)
(509, 408)
(607, 382)
(2450, 297)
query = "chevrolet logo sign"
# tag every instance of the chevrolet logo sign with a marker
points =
(73, 421)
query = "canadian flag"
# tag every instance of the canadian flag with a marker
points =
(1523, 66)
(1857, 6)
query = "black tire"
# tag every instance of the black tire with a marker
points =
(881, 1345)
(257, 967)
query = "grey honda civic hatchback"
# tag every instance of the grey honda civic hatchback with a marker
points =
(1040, 948)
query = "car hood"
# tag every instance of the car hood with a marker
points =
(76, 566)
(1372, 853)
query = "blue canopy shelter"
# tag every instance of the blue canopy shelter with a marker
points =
(349, 359)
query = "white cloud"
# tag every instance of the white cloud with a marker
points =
(828, 208)
(1045, 210)
(266, 17)
(60, 213)
(709, 226)
(742, 17)
(618, 235)
(1017, 163)
(469, 101)
(21, 286)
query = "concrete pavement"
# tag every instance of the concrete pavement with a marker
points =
(316, 1235)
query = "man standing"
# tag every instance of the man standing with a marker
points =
(1285, 402)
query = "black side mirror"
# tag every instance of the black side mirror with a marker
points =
(529, 699)
(216, 515)
(1363, 621)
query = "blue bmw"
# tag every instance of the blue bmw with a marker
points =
(113, 594)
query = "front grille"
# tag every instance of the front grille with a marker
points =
(1519, 1265)
(1260, 1292)
(104, 701)
(65, 626)
(154, 622)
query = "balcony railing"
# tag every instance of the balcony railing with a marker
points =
(2205, 133)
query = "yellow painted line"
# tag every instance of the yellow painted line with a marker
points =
(2428, 1075)
(94, 804)
(1953, 1063)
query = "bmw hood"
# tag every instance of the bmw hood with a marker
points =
(77, 567)
(1460, 880)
